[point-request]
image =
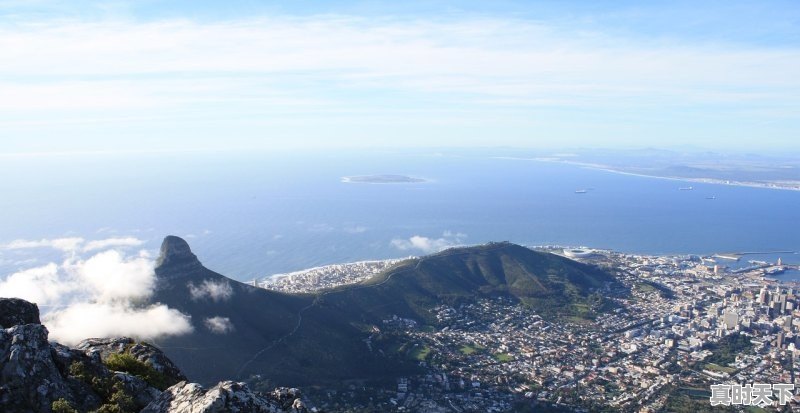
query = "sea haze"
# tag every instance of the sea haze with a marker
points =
(251, 215)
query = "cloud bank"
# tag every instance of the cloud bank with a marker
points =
(98, 296)
(429, 245)
(45, 285)
(84, 320)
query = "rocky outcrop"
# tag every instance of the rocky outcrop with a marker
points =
(14, 312)
(29, 378)
(144, 352)
(141, 392)
(227, 396)
(289, 399)
(110, 374)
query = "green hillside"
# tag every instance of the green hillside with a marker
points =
(314, 339)
(552, 285)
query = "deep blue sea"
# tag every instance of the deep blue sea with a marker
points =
(251, 215)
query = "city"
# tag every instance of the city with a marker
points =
(688, 322)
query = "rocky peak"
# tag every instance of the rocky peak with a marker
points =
(15, 311)
(176, 257)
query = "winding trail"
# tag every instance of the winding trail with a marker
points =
(319, 296)
(300, 319)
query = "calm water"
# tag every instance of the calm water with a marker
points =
(254, 215)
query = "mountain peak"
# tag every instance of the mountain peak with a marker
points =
(175, 252)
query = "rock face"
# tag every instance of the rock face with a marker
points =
(176, 257)
(14, 312)
(227, 396)
(29, 378)
(35, 373)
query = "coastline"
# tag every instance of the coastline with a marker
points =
(713, 181)
(274, 277)
(356, 275)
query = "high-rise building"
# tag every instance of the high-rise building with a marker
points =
(763, 295)
(730, 319)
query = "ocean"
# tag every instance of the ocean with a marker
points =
(249, 215)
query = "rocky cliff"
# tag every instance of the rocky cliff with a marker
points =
(115, 375)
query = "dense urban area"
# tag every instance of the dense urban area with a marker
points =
(688, 322)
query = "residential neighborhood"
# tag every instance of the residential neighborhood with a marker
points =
(688, 322)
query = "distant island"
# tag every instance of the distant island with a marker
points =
(382, 179)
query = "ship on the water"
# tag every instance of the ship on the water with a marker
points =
(686, 188)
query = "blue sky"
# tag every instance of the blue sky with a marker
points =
(205, 75)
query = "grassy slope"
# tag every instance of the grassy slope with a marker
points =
(553, 285)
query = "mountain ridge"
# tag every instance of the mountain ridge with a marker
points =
(302, 339)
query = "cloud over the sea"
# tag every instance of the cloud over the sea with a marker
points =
(71, 244)
(429, 245)
(112, 242)
(63, 244)
(101, 294)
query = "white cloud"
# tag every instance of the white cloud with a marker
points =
(98, 296)
(84, 320)
(42, 285)
(429, 245)
(71, 244)
(523, 62)
(219, 325)
(63, 244)
(216, 291)
(112, 276)
(112, 242)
